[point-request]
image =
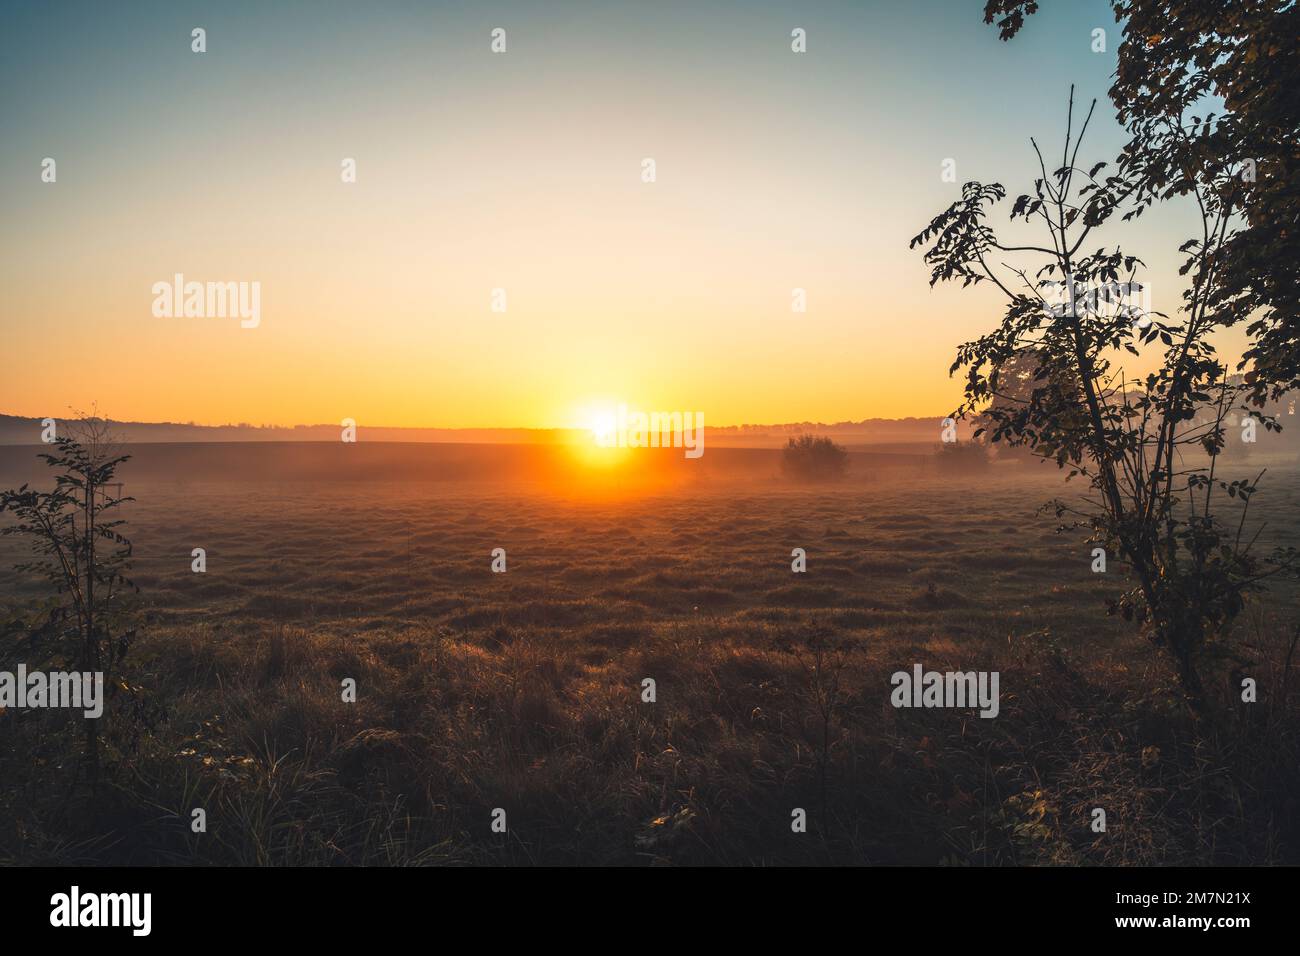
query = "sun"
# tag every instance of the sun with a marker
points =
(596, 444)
(603, 427)
(600, 421)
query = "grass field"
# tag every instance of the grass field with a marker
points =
(523, 690)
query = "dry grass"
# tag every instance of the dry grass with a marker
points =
(523, 690)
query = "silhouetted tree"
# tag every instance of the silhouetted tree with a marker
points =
(83, 555)
(1045, 379)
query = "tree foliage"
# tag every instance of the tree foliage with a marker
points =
(79, 549)
(1048, 378)
(1209, 91)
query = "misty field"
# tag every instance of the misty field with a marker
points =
(523, 690)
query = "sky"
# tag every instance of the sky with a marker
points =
(520, 171)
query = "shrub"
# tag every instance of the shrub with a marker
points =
(961, 457)
(810, 458)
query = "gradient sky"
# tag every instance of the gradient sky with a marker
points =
(520, 171)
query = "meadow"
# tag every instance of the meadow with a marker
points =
(523, 690)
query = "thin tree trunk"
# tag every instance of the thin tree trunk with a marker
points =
(92, 642)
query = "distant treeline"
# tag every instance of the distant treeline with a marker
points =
(16, 430)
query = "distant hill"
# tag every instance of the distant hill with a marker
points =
(15, 430)
(27, 431)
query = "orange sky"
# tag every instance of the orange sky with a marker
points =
(519, 171)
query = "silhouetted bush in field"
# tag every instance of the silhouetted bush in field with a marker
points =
(809, 458)
(962, 457)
